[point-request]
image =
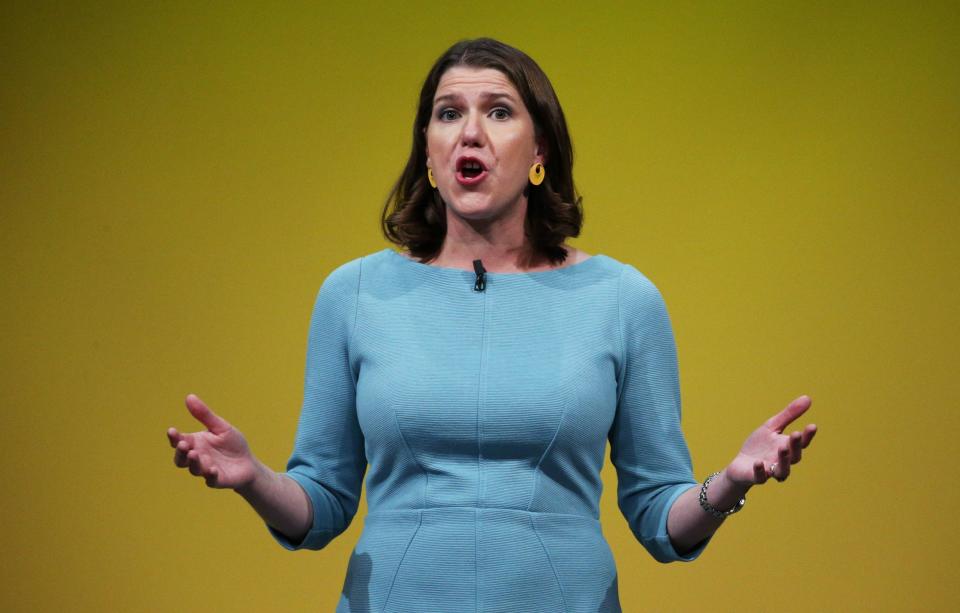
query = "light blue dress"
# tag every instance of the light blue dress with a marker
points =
(481, 419)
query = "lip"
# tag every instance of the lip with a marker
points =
(469, 181)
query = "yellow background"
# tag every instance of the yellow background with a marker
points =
(176, 181)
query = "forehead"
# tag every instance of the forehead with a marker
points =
(469, 79)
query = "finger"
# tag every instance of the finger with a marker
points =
(212, 478)
(180, 455)
(204, 415)
(796, 447)
(783, 464)
(759, 472)
(792, 411)
(199, 466)
(808, 434)
(173, 436)
(193, 462)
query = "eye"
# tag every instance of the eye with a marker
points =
(501, 112)
(447, 115)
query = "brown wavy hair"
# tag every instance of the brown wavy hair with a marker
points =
(414, 215)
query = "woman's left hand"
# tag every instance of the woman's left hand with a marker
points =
(768, 452)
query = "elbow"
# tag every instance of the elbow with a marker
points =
(662, 550)
(648, 523)
(330, 515)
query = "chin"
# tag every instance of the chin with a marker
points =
(470, 208)
(479, 209)
(477, 213)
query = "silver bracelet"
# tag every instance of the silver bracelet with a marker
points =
(709, 508)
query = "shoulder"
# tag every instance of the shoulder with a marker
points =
(633, 284)
(339, 295)
(349, 273)
(641, 304)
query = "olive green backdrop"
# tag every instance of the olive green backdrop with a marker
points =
(176, 180)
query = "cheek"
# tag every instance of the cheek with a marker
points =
(518, 156)
(519, 147)
(438, 144)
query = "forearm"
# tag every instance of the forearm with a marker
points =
(688, 524)
(280, 501)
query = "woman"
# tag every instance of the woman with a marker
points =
(480, 374)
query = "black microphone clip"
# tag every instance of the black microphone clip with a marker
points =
(481, 283)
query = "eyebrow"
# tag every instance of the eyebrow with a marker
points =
(485, 96)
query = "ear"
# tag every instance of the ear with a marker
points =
(541, 152)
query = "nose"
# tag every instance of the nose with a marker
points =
(473, 134)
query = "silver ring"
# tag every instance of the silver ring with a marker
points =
(773, 467)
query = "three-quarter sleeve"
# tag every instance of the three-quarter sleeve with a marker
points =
(647, 445)
(328, 459)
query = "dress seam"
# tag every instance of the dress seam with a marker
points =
(536, 470)
(351, 332)
(396, 420)
(556, 575)
(396, 573)
(463, 507)
(621, 371)
(481, 381)
(426, 475)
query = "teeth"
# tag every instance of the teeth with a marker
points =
(471, 165)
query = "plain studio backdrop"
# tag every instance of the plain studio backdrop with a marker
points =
(177, 180)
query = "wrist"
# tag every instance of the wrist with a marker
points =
(720, 496)
(735, 488)
(258, 482)
(740, 472)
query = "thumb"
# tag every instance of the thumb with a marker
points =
(784, 418)
(204, 415)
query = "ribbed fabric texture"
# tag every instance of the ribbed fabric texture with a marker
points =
(482, 420)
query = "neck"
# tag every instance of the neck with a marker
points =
(500, 243)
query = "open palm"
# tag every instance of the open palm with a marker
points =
(768, 452)
(219, 454)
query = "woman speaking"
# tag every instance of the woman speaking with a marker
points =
(476, 375)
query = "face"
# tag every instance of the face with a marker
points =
(480, 144)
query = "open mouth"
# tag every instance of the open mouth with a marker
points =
(470, 171)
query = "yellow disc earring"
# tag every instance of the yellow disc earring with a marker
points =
(433, 182)
(537, 173)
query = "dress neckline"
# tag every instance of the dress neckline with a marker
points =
(583, 264)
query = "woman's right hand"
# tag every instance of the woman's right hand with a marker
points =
(219, 454)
